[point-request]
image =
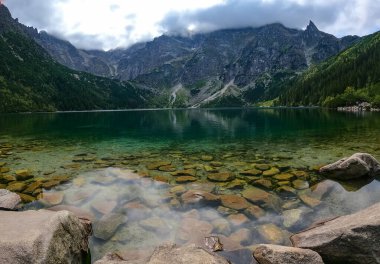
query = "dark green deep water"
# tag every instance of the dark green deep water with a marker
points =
(299, 139)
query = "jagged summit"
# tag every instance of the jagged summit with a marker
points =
(312, 27)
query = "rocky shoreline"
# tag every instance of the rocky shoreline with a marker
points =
(361, 107)
(44, 236)
(58, 236)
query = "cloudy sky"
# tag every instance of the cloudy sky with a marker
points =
(107, 24)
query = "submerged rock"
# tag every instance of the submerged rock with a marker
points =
(193, 230)
(352, 238)
(300, 184)
(234, 202)
(32, 187)
(16, 186)
(7, 178)
(271, 233)
(221, 226)
(263, 183)
(106, 227)
(238, 219)
(243, 236)
(254, 211)
(104, 206)
(154, 224)
(262, 167)
(356, 166)
(53, 198)
(258, 196)
(291, 217)
(185, 179)
(251, 172)
(42, 237)
(157, 165)
(9, 200)
(284, 176)
(188, 172)
(197, 197)
(221, 176)
(207, 158)
(273, 254)
(310, 201)
(23, 175)
(26, 198)
(271, 172)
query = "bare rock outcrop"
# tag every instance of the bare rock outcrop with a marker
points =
(273, 254)
(8, 200)
(351, 238)
(42, 236)
(357, 166)
(170, 253)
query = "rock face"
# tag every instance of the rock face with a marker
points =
(352, 238)
(42, 237)
(356, 166)
(241, 57)
(273, 254)
(170, 253)
(8, 200)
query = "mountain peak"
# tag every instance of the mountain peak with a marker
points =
(6, 20)
(4, 11)
(311, 27)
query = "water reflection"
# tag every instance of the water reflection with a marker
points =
(188, 124)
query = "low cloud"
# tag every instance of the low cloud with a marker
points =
(95, 24)
(339, 17)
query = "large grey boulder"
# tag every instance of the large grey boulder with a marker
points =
(170, 253)
(356, 166)
(42, 236)
(273, 254)
(352, 238)
(8, 200)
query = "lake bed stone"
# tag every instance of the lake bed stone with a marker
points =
(234, 202)
(106, 226)
(221, 176)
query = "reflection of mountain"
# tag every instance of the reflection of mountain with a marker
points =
(269, 124)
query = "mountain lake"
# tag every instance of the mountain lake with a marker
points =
(143, 177)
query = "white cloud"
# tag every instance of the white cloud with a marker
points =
(109, 24)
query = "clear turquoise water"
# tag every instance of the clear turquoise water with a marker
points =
(312, 135)
(238, 138)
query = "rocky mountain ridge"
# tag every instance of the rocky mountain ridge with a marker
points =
(231, 67)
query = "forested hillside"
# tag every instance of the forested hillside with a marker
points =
(31, 81)
(350, 77)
